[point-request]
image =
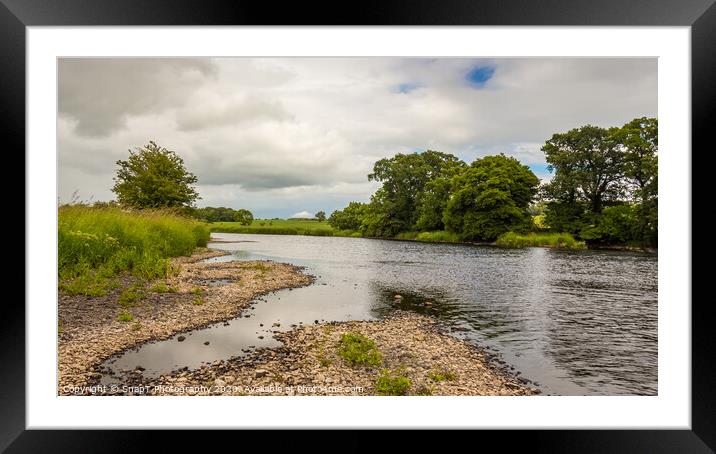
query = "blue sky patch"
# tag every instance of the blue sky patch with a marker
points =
(540, 170)
(407, 87)
(479, 75)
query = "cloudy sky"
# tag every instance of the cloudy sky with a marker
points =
(280, 136)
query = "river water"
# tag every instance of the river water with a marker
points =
(575, 322)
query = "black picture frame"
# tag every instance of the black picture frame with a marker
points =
(700, 15)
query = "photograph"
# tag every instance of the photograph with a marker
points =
(357, 226)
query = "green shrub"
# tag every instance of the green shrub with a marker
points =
(357, 349)
(392, 383)
(125, 317)
(616, 224)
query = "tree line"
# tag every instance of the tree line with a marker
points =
(604, 190)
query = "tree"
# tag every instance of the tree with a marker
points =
(639, 140)
(598, 172)
(490, 197)
(349, 218)
(321, 216)
(243, 217)
(403, 178)
(154, 177)
(587, 163)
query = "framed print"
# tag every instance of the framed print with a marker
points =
(446, 217)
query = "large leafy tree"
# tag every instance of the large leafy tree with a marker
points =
(605, 183)
(587, 163)
(490, 197)
(394, 207)
(154, 177)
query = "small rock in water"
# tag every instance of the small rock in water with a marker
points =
(206, 343)
(276, 324)
(428, 303)
(181, 338)
(398, 297)
(139, 368)
(261, 324)
(261, 337)
(316, 322)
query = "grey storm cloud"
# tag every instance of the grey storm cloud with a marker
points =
(101, 93)
(301, 134)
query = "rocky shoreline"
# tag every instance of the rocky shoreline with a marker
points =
(90, 329)
(412, 346)
(415, 350)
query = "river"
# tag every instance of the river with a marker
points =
(575, 322)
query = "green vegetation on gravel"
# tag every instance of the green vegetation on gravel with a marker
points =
(392, 383)
(125, 317)
(357, 349)
(438, 374)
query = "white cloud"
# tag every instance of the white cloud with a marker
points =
(275, 135)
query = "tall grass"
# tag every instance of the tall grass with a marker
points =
(95, 244)
(555, 240)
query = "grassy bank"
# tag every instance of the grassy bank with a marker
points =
(277, 227)
(315, 228)
(555, 240)
(95, 244)
(438, 236)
